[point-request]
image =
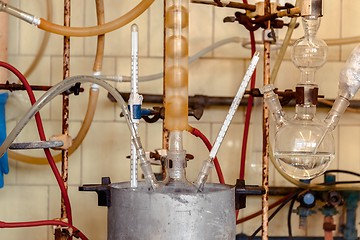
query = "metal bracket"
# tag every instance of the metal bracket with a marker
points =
(36, 145)
(102, 190)
(241, 191)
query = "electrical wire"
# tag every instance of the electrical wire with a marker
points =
(258, 213)
(342, 171)
(338, 182)
(75, 231)
(291, 206)
(197, 133)
(43, 138)
(275, 212)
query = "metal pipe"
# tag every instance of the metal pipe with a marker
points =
(210, 101)
(265, 126)
(4, 7)
(65, 107)
(351, 204)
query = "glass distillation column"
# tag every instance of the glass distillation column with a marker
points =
(303, 146)
(176, 89)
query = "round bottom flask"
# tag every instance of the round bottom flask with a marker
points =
(304, 148)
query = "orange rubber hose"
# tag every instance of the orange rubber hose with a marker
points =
(96, 30)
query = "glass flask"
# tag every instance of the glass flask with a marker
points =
(303, 146)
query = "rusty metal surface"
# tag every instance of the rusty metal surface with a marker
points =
(286, 97)
(20, 87)
(65, 113)
(265, 159)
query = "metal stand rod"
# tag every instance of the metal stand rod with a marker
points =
(65, 116)
(265, 159)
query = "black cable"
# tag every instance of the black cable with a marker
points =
(291, 206)
(339, 182)
(342, 171)
(275, 212)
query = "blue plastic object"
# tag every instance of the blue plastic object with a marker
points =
(4, 165)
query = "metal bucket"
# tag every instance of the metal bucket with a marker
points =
(168, 215)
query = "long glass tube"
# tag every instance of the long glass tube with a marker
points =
(208, 163)
(176, 65)
(65, 85)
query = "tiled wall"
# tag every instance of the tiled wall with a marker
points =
(30, 191)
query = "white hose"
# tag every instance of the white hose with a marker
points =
(192, 59)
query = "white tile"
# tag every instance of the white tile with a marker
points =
(225, 77)
(25, 203)
(200, 27)
(84, 204)
(104, 152)
(107, 144)
(14, 25)
(225, 30)
(349, 10)
(118, 42)
(156, 29)
(348, 150)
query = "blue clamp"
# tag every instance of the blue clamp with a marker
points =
(136, 111)
(4, 164)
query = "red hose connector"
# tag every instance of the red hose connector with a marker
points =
(197, 133)
(73, 230)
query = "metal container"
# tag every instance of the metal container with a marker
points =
(172, 214)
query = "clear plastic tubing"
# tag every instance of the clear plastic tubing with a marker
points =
(176, 65)
(65, 85)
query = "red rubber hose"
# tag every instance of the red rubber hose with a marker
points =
(248, 114)
(42, 138)
(75, 232)
(197, 133)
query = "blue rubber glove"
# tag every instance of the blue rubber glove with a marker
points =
(4, 165)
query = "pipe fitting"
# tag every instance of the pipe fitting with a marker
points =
(19, 14)
(311, 8)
